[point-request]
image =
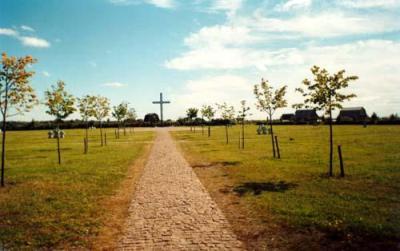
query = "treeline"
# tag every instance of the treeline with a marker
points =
(80, 124)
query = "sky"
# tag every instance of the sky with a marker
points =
(204, 51)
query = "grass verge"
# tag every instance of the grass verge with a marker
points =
(290, 203)
(49, 206)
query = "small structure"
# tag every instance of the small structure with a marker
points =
(50, 134)
(56, 134)
(353, 115)
(306, 116)
(287, 118)
(262, 129)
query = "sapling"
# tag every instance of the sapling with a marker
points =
(60, 105)
(269, 100)
(16, 93)
(322, 93)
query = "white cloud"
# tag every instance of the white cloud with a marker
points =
(46, 74)
(8, 32)
(294, 4)
(322, 25)
(25, 40)
(220, 35)
(158, 3)
(34, 42)
(114, 84)
(162, 3)
(27, 28)
(210, 90)
(231, 6)
(372, 60)
(370, 3)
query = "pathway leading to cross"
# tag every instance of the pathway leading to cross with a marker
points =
(171, 210)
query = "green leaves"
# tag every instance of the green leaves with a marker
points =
(120, 111)
(191, 113)
(101, 107)
(227, 112)
(86, 107)
(242, 114)
(59, 102)
(324, 92)
(268, 99)
(208, 112)
(131, 115)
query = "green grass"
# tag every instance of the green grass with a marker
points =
(295, 190)
(46, 205)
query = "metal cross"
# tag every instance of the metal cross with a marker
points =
(161, 102)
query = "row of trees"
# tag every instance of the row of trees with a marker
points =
(17, 96)
(322, 93)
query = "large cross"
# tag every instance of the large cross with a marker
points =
(161, 102)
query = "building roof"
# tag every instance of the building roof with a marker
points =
(352, 108)
(287, 116)
(306, 113)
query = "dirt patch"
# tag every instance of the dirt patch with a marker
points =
(116, 206)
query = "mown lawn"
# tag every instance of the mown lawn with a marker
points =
(361, 210)
(48, 206)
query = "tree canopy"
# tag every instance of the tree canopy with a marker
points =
(323, 92)
(59, 102)
(15, 89)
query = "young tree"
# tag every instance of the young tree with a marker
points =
(131, 116)
(227, 114)
(323, 93)
(242, 117)
(85, 106)
(191, 113)
(269, 100)
(119, 112)
(208, 112)
(374, 118)
(60, 105)
(15, 93)
(101, 110)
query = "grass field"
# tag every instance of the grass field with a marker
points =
(46, 205)
(290, 203)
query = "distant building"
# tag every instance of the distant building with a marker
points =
(287, 118)
(353, 115)
(306, 116)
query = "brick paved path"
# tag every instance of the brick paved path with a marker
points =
(171, 209)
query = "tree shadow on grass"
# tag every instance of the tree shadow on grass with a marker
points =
(256, 188)
(217, 164)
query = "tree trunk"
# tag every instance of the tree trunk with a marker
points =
(119, 126)
(243, 134)
(87, 138)
(330, 143)
(3, 150)
(58, 145)
(226, 134)
(202, 129)
(3, 142)
(101, 133)
(272, 136)
(209, 131)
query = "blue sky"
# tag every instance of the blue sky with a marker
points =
(204, 51)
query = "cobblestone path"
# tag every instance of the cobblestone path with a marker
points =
(171, 210)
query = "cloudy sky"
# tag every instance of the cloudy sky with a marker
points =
(204, 51)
